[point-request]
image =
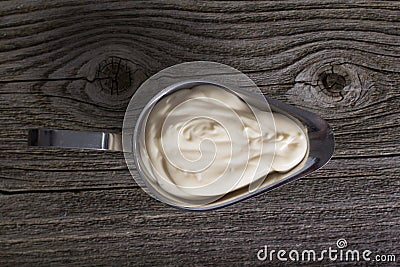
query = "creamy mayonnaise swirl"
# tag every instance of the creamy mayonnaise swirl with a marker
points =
(206, 141)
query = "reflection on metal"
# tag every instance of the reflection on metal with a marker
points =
(75, 139)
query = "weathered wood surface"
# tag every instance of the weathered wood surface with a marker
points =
(58, 60)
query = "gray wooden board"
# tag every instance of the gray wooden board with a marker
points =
(75, 64)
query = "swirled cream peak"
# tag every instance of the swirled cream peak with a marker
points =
(206, 141)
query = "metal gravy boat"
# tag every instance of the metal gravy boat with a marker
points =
(184, 76)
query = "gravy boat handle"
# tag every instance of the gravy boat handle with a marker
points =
(75, 139)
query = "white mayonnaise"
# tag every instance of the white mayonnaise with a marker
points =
(206, 141)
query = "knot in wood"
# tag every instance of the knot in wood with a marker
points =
(116, 80)
(113, 76)
(332, 83)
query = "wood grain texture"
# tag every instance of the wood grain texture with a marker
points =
(71, 207)
(126, 226)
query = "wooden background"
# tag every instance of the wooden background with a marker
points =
(75, 64)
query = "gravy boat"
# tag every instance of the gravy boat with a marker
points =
(185, 76)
